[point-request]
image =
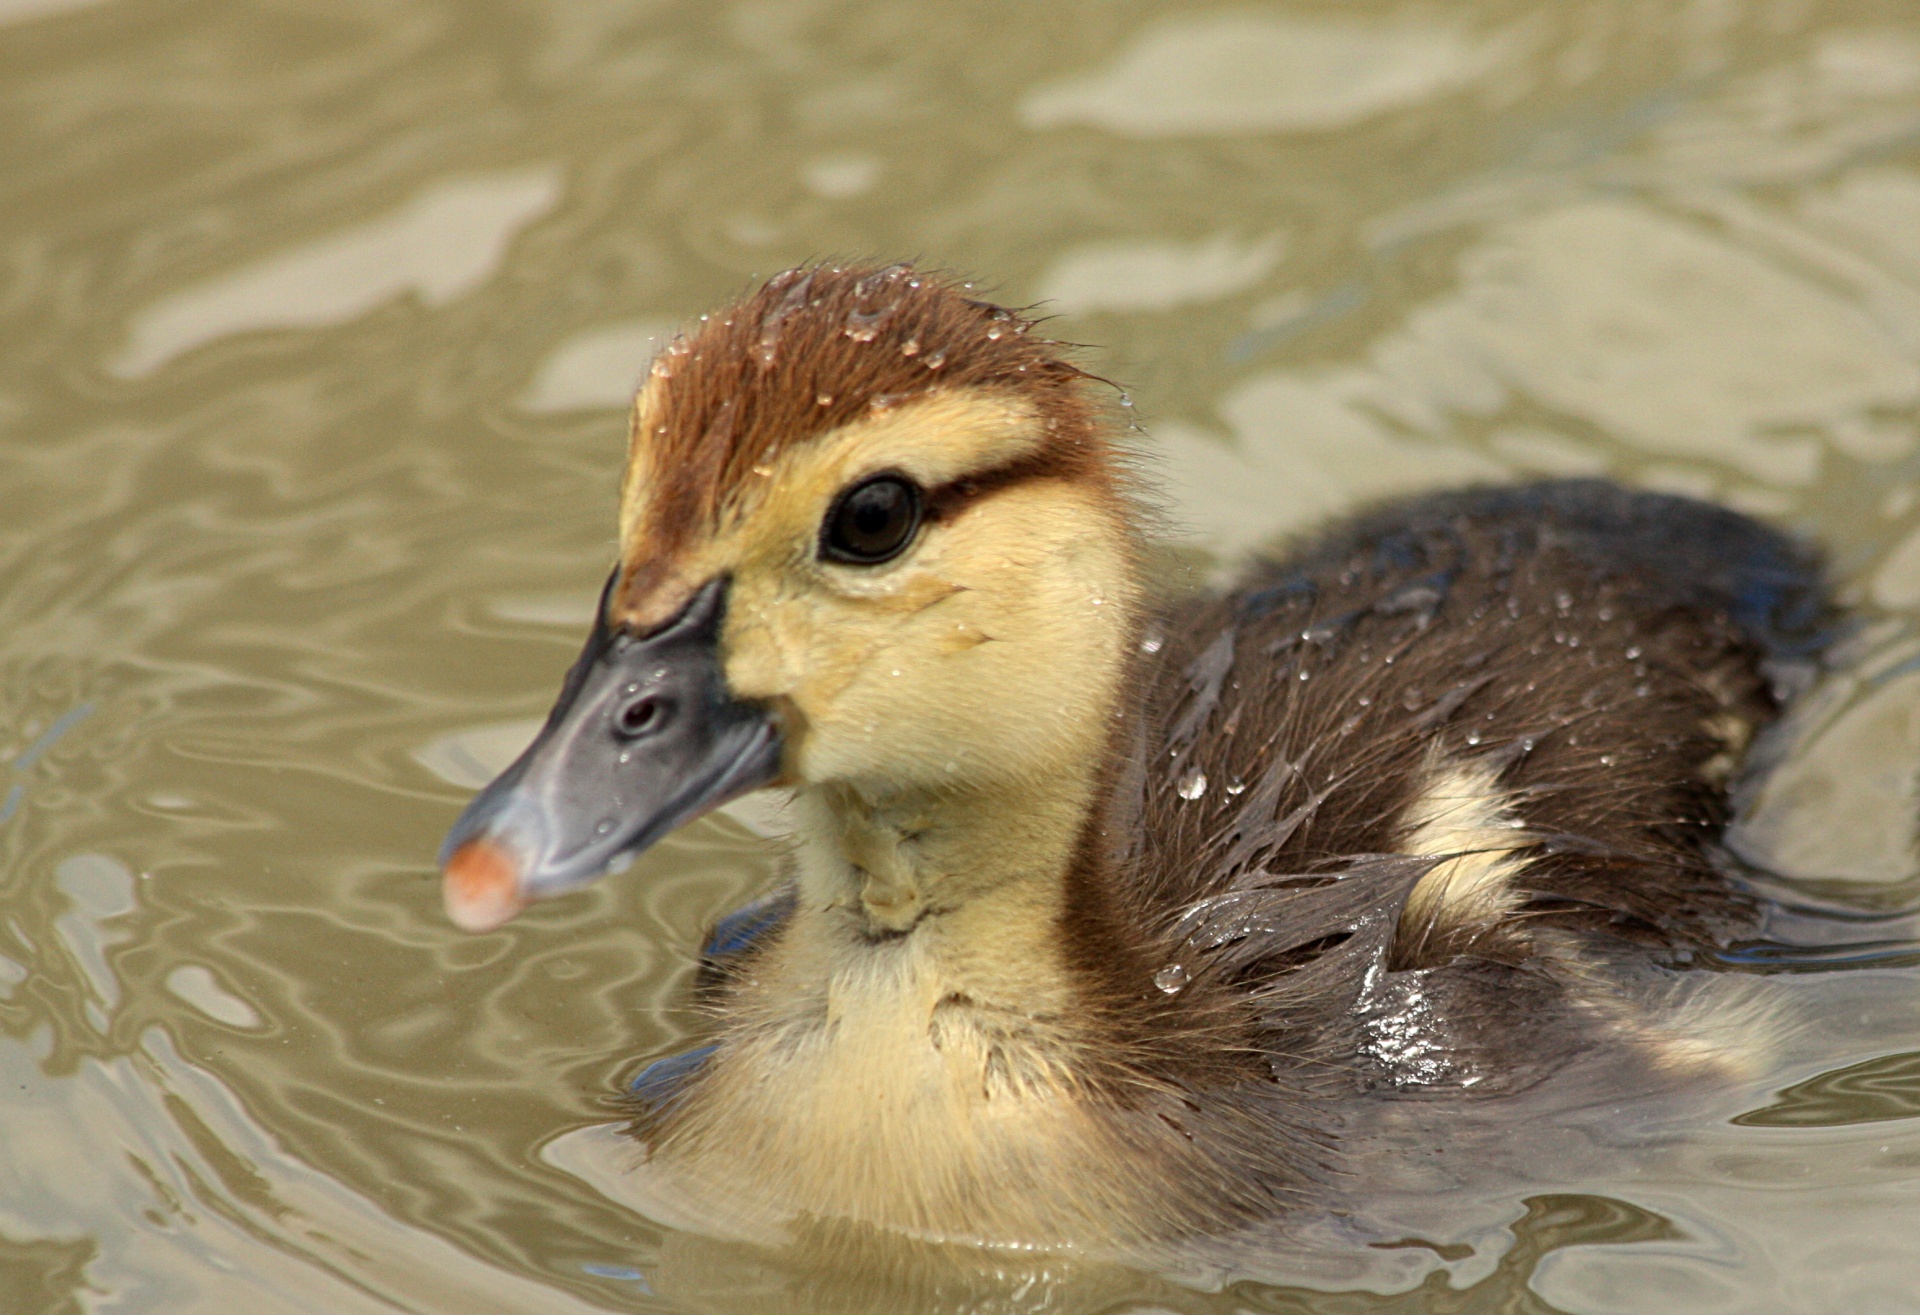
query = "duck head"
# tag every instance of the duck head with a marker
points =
(874, 545)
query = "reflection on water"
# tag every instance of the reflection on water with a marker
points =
(318, 322)
(598, 369)
(445, 242)
(1871, 1092)
(1139, 276)
(1253, 72)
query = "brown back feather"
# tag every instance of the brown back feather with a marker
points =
(1581, 641)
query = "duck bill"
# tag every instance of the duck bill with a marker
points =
(645, 737)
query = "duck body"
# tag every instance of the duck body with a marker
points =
(1396, 814)
(1108, 918)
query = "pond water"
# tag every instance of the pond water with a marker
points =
(316, 325)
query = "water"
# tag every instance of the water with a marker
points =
(317, 320)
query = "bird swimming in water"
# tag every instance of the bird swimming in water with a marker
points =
(1109, 905)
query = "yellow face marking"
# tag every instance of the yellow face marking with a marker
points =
(639, 474)
(964, 651)
(933, 440)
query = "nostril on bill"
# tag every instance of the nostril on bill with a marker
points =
(640, 716)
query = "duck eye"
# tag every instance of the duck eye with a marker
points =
(872, 522)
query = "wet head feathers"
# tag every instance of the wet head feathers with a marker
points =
(814, 351)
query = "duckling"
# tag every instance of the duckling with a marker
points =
(1107, 910)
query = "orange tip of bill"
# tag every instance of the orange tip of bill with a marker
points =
(481, 886)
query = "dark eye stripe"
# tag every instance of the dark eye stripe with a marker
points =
(951, 499)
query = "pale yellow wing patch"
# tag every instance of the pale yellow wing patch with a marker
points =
(1463, 816)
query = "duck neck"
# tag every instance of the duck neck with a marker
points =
(913, 1040)
(966, 842)
(987, 860)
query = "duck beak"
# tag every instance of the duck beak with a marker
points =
(646, 736)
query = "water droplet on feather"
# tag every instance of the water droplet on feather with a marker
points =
(774, 321)
(864, 326)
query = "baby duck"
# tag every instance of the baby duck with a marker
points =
(1105, 911)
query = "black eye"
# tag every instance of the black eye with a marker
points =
(872, 522)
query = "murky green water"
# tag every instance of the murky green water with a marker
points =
(315, 324)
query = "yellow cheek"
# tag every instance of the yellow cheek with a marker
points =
(959, 637)
(860, 643)
(805, 648)
(769, 634)
(908, 595)
(985, 643)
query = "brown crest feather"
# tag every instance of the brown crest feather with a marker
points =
(817, 348)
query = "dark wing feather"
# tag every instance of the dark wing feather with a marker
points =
(1604, 654)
